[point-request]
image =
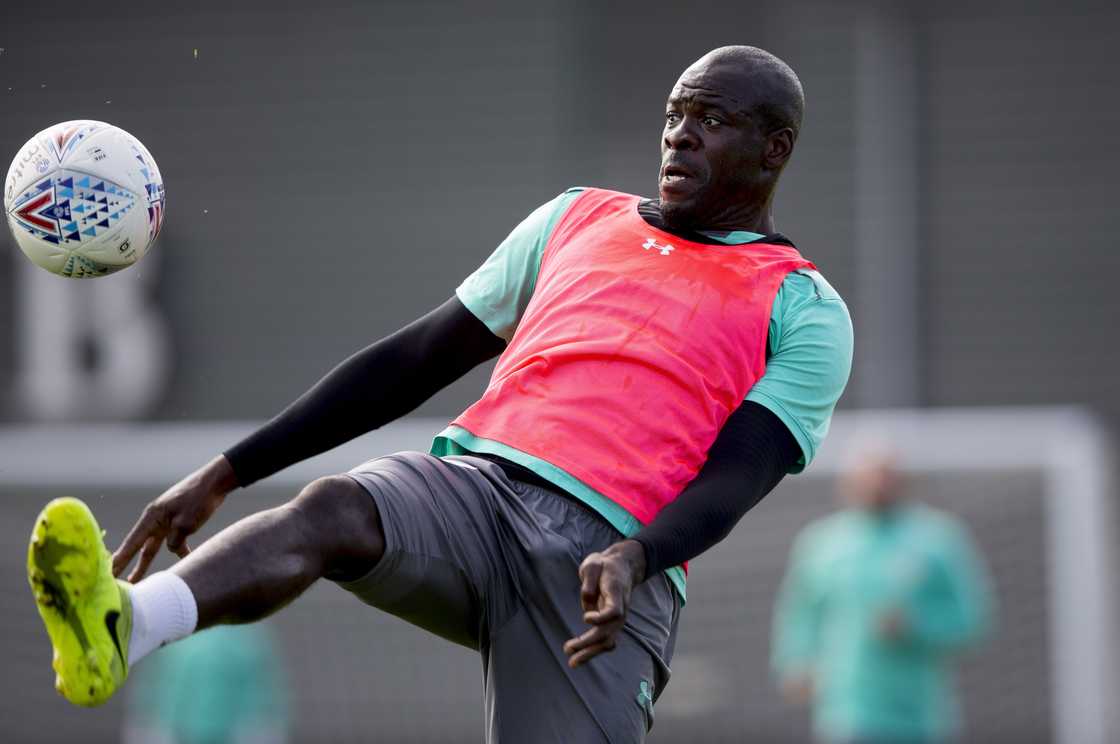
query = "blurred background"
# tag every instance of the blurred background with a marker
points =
(335, 169)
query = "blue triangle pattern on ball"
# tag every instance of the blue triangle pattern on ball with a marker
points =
(82, 204)
(60, 211)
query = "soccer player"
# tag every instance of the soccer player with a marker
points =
(664, 362)
(878, 600)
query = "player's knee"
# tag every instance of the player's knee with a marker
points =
(322, 492)
(342, 519)
(333, 500)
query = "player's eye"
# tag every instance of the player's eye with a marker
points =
(710, 121)
(672, 117)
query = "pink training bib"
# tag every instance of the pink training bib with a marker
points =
(635, 348)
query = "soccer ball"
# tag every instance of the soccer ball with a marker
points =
(83, 199)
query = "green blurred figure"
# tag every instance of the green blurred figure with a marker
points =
(225, 685)
(877, 599)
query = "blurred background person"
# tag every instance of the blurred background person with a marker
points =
(225, 685)
(876, 600)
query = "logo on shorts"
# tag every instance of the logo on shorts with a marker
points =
(665, 248)
(645, 697)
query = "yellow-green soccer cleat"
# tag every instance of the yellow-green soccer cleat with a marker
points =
(87, 612)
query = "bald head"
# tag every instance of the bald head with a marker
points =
(767, 86)
(872, 481)
(731, 122)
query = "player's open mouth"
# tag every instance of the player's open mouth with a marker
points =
(676, 182)
(674, 174)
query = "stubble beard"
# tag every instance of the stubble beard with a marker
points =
(682, 215)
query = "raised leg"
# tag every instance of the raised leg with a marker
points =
(256, 566)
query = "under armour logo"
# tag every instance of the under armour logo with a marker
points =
(651, 243)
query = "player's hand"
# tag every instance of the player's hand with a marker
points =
(798, 688)
(606, 582)
(892, 625)
(175, 516)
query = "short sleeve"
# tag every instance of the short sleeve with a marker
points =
(811, 358)
(499, 290)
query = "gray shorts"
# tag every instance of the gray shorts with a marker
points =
(492, 563)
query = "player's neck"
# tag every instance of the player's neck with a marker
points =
(765, 224)
(757, 218)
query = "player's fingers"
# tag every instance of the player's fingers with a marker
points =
(128, 547)
(181, 529)
(147, 555)
(604, 616)
(609, 609)
(177, 543)
(589, 573)
(136, 537)
(599, 634)
(587, 654)
(585, 639)
(590, 637)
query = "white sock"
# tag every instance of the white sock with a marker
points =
(163, 610)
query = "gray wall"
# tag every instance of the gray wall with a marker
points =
(334, 170)
(331, 173)
(1022, 176)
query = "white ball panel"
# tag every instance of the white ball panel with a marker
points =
(84, 198)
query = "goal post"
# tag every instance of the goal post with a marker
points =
(1075, 455)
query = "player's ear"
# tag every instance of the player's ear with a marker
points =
(779, 146)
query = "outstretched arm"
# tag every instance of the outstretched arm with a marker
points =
(752, 453)
(378, 384)
(373, 387)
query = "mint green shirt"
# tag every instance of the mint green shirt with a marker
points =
(221, 685)
(845, 572)
(810, 343)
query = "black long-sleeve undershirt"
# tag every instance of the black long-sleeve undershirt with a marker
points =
(376, 385)
(752, 453)
(393, 376)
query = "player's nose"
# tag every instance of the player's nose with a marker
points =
(682, 135)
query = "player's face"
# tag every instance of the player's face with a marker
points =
(875, 485)
(713, 153)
